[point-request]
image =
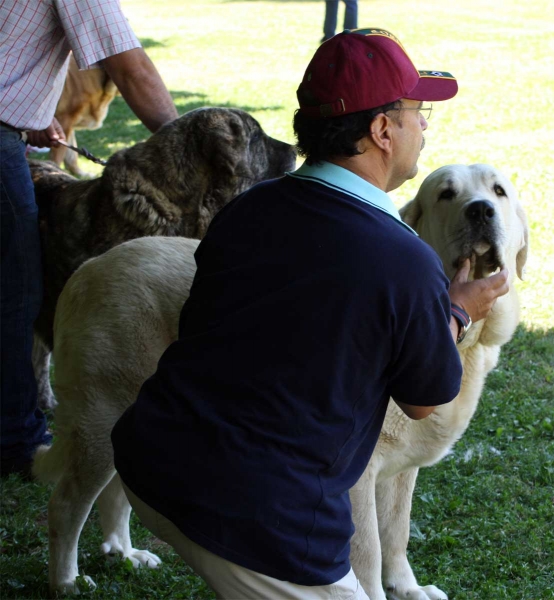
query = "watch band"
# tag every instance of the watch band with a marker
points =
(463, 319)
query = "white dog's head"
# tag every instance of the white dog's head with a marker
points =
(470, 212)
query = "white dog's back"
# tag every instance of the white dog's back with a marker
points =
(128, 298)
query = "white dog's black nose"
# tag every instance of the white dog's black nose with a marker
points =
(480, 211)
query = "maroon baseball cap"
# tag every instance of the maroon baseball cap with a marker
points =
(361, 69)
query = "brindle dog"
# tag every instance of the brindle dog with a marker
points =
(172, 184)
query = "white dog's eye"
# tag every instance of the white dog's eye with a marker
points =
(447, 194)
(499, 190)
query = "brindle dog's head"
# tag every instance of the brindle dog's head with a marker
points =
(187, 171)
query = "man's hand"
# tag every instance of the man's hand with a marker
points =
(477, 297)
(47, 138)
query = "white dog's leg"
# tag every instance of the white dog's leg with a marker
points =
(115, 511)
(394, 502)
(365, 552)
(68, 509)
(41, 367)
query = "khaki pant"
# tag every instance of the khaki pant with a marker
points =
(233, 582)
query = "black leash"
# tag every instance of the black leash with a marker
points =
(84, 152)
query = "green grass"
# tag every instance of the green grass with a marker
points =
(482, 518)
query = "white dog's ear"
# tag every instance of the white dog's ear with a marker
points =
(410, 213)
(521, 257)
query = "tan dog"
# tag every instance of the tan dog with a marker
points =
(120, 311)
(84, 104)
(171, 184)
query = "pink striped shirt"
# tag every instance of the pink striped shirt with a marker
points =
(35, 39)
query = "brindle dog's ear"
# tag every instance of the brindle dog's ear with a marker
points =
(521, 257)
(225, 144)
(411, 212)
(138, 200)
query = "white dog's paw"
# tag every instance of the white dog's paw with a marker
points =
(427, 592)
(139, 558)
(433, 593)
(143, 558)
(80, 585)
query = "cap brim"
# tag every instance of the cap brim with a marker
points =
(434, 86)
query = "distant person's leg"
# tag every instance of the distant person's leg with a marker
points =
(351, 14)
(330, 23)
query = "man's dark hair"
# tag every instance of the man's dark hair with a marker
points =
(321, 139)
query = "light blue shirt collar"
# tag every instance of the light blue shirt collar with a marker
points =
(346, 181)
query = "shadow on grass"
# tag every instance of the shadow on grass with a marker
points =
(151, 43)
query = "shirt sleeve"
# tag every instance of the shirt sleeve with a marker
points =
(95, 29)
(427, 370)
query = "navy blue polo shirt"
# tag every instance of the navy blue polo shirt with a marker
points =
(311, 306)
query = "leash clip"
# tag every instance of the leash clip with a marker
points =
(84, 152)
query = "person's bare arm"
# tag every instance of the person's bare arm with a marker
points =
(415, 412)
(141, 86)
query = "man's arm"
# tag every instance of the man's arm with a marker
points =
(477, 298)
(415, 412)
(141, 86)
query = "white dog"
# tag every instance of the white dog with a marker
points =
(119, 312)
(462, 212)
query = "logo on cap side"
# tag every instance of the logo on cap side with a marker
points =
(439, 74)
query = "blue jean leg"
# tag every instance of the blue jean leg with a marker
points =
(23, 425)
(331, 16)
(351, 14)
(330, 23)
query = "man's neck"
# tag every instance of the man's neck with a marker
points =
(373, 171)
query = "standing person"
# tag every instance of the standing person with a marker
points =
(331, 15)
(36, 37)
(313, 305)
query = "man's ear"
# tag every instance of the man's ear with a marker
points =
(380, 132)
